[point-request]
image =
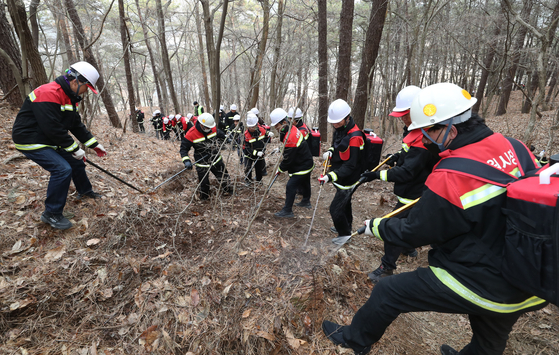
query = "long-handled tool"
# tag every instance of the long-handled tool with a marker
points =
(174, 176)
(342, 240)
(111, 175)
(317, 199)
(362, 180)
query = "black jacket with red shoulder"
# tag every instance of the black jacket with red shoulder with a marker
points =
(460, 215)
(414, 165)
(46, 116)
(206, 145)
(347, 146)
(301, 126)
(297, 157)
(255, 142)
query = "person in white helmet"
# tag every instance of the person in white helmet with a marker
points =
(157, 122)
(167, 127)
(221, 119)
(204, 138)
(229, 121)
(256, 138)
(41, 132)
(413, 164)
(345, 156)
(460, 216)
(297, 161)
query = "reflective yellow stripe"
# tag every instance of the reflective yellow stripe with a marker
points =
(32, 96)
(300, 141)
(403, 200)
(515, 172)
(204, 138)
(462, 291)
(185, 158)
(480, 195)
(261, 137)
(333, 176)
(33, 146)
(252, 140)
(303, 172)
(376, 223)
(72, 147)
(208, 165)
(342, 187)
(384, 175)
(90, 142)
(405, 147)
(254, 152)
(66, 108)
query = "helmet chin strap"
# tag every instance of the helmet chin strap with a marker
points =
(441, 146)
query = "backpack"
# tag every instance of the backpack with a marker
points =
(531, 251)
(372, 150)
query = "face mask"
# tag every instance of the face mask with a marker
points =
(433, 149)
(206, 129)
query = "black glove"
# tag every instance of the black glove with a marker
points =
(370, 176)
(188, 164)
(393, 159)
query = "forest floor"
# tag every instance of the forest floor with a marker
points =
(165, 273)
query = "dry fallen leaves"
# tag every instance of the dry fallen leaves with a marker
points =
(55, 254)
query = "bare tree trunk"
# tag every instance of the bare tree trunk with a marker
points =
(322, 70)
(273, 89)
(344, 51)
(90, 58)
(165, 55)
(7, 76)
(57, 10)
(29, 51)
(257, 72)
(33, 6)
(126, 58)
(487, 63)
(518, 45)
(370, 52)
(151, 57)
(201, 54)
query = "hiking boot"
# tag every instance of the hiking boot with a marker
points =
(334, 332)
(380, 273)
(304, 204)
(90, 194)
(447, 350)
(284, 214)
(333, 230)
(412, 254)
(57, 221)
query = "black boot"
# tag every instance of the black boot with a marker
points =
(304, 204)
(284, 214)
(334, 332)
(447, 350)
(380, 273)
(57, 221)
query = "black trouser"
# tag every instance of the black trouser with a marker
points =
(297, 182)
(340, 210)
(391, 251)
(420, 291)
(141, 125)
(256, 166)
(219, 171)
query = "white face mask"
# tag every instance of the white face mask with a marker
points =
(205, 129)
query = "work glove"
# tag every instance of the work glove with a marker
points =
(100, 150)
(188, 164)
(370, 176)
(368, 230)
(275, 150)
(393, 159)
(78, 154)
(323, 179)
(327, 155)
(278, 172)
(260, 154)
(270, 134)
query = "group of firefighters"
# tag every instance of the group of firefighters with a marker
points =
(458, 214)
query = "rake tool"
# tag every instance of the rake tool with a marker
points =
(317, 199)
(342, 240)
(172, 177)
(111, 175)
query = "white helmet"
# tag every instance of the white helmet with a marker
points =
(156, 112)
(233, 107)
(188, 116)
(236, 118)
(277, 115)
(178, 116)
(171, 117)
(88, 72)
(338, 110)
(439, 102)
(298, 113)
(290, 112)
(252, 120)
(255, 111)
(165, 120)
(221, 108)
(206, 120)
(405, 98)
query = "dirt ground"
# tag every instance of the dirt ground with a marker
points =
(165, 273)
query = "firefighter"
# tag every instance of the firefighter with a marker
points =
(261, 123)
(167, 127)
(174, 125)
(140, 119)
(157, 122)
(461, 217)
(301, 126)
(203, 136)
(198, 110)
(297, 161)
(221, 120)
(40, 132)
(413, 164)
(229, 118)
(345, 158)
(256, 139)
